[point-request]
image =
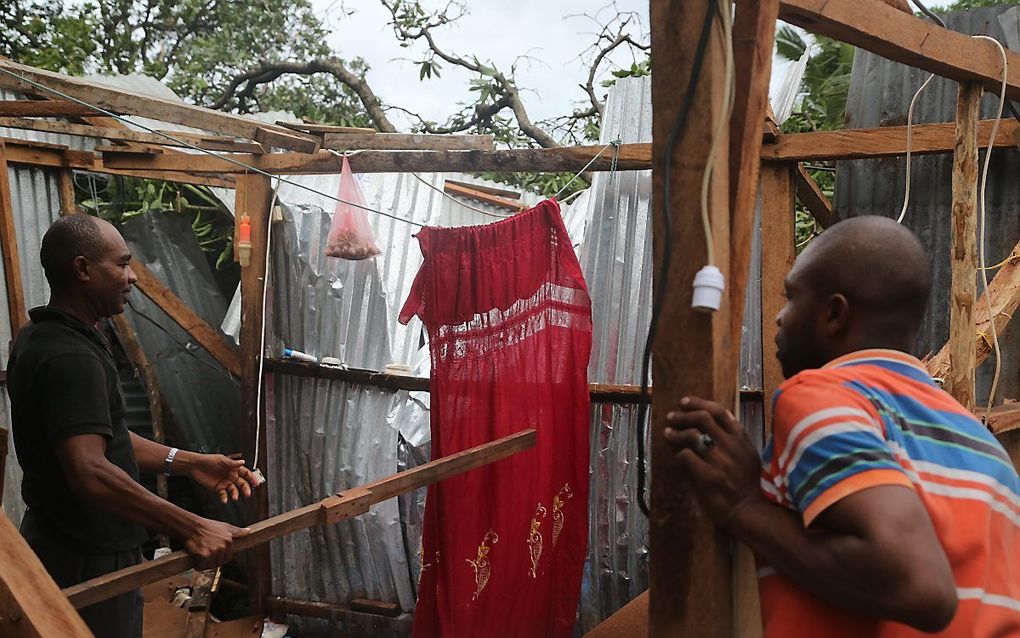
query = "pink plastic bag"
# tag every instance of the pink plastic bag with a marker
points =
(350, 236)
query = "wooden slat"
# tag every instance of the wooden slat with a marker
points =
(905, 38)
(406, 141)
(209, 142)
(962, 359)
(324, 128)
(335, 612)
(65, 183)
(42, 108)
(1004, 292)
(885, 141)
(131, 103)
(479, 196)
(30, 602)
(125, 580)
(204, 334)
(812, 197)
(16, 312)
(500, 192)
(1004, 418)
(284, 138)
(254, 195)
(777, 257)
(689, 566)
(566, 159)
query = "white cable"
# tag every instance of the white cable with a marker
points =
(910, 123)
(725, 19)
(262, 327)
(981, 216)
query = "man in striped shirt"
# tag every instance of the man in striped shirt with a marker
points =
(881, 506)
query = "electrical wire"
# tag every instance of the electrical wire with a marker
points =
(910, 124)
(586, 166)
(982, 221)
(679, 125)
(725, 22)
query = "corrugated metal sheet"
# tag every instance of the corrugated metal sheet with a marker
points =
(880, 93)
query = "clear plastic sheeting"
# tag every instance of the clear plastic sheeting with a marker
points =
(880, 93)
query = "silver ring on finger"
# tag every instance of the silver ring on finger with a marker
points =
(704, 443)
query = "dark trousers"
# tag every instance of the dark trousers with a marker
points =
(117, 617)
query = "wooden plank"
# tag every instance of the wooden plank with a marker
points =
(812, 197)
(42, 108)
(1004, 291)
(565, 159)
(689, 568)
(308, 127)
(500, 192)
(406, 141)
(270, 137)
(1004, 418)
(964, 261)
(196, 327)
(903, 37)
(121, 134)
(16, 311)
(65, 184)
(131, 103)
(479, 196)
(335, 612)
(203, 584)
(778, 234)
(376, 607)
(125, 580)
(597, 392)
(30, 602)
(885, 141)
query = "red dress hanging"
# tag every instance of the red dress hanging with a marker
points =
(509, 323)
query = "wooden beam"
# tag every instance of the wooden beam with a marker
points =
(1004, 292)
(501, 192)
(55, 156)
(359, 614)
(30, 602)
(254, 194)
(1004, 418)
(479, 196)
(597, 392)
(42, 108)
(203, 585)
(962, 357)
(329, 510)
(196, 327)
(812, 197)
(903, 37)
(16, 311)
(689, 568)
(885, 141)
(285, 138)
(65, 184)
(777, 257)
(122, 134)
(406, 142)
(309, 127)
(565, 159)
(131, 103)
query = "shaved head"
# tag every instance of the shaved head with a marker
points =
(863, 283)
(65, 239)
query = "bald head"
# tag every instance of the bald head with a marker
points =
(877, 263)
(863, 283)
(67, 238)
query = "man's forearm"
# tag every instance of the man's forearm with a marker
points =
(841, 569)
(151, 457)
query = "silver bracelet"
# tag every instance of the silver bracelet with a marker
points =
(169, 460)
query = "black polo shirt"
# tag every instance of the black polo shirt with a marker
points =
(62, 382)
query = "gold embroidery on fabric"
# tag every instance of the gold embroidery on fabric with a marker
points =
(535, 539)
(565, 494)
(421, 560)
(481, 563)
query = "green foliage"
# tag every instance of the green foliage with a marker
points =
(826, 81)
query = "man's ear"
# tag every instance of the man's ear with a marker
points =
(80, 268)
(837, 313)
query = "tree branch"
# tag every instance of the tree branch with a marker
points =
(269, 71)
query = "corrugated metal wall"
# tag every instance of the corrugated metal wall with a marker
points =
(880, 93)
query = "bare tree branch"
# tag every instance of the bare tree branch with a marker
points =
(483, 114)
(270, 71)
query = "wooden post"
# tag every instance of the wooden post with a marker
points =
(255, 192)
(9, 244)
(962, 348)
(31, 604)
(690, 573)
(65, 181)
(777, 256)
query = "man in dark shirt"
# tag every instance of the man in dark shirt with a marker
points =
(86, 509)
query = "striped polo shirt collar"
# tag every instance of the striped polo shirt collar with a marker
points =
(878, 356)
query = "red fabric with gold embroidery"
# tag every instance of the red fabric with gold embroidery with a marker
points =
(509, 323)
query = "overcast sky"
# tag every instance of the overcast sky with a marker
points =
(553, 33)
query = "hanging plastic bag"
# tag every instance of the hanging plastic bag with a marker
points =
(350, 236)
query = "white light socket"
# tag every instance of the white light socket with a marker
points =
(709, 284)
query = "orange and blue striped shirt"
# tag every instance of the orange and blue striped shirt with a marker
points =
(875, 417)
